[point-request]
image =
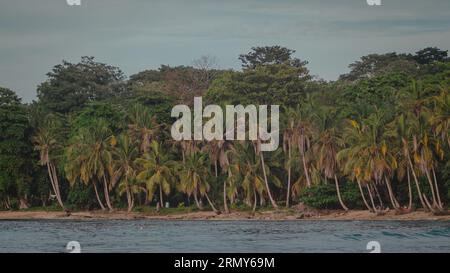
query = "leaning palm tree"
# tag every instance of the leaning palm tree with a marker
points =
(124, 153)
(365, 159)
(193, 178)
(46, 143)
(265, 170)
(156, 171)
(326, 150)
(94, 162)
(76, 167)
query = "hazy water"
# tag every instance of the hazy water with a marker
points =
(223, 236)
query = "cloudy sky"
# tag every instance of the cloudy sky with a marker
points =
(141, 34)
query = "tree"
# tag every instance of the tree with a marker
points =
(156, 171)
(269, 55)
(124, 154)
(193, 178)
(217, 151)
(70, 86)
(374, 65)
(90, 158)
(430, 55)
(48, 142)
(15, 149)
(142, 126)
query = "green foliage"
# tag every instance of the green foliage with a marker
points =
(323, 196)
(70, 86)
(15, 146)
(81, 197)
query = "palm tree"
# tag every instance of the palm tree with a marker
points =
(440, 119)
(217, 151)
(303, 132)
(142, 126)
(264, 167)
(367, 159)
(156, 171)
(91, 154)
(327, 147)
(124, 153)
(46, 143)
(193, 178)
(288, 143)
(246, 167)
(76, 166)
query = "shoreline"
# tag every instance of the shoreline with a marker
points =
(270, 215)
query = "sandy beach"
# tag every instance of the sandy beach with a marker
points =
(281, 214)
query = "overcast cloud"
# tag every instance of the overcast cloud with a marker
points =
(135, 35)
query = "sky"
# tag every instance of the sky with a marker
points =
(143, 34)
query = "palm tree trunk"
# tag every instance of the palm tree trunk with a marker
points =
(211, 204)
(254, 200)
(305, 169)
(267, 182)
(98, 197)
(371, 198)
(200, 207)
(380, 200)
(129, 197)
(225, 203)
(427, 172)
(106, 191)
(437, 189)
(288, 194)
(409, 191)
(339, 193)
(54, 180)
(394, 202)
(363, 197)
(161, 202)
(425, 207)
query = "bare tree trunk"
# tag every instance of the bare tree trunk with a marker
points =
(98, 197)
(161, 196)
(339, 194)
(199, 206)
(371, 199)
(394, 202)
(225, 203)
(106, 191)
(305, 169)
(54, 181)
(378, 196)
(267, 182)
(409, 191)
(288, 194)
(437, 189)
(129, 196)
(211, 204)
(427, 172)
(363, 197)
(23, 204)
(254, 200)
(417, 184)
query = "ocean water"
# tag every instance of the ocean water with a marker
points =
(223, 236)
